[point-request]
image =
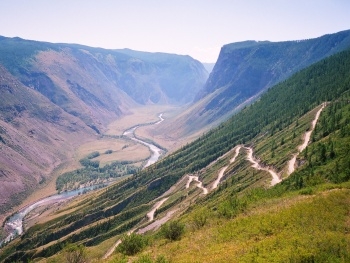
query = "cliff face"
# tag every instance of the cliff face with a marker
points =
(161, 77)
(244, 70)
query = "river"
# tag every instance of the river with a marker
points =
(14, 224)
(156, 152)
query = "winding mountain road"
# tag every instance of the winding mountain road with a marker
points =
(223, 169)
(199, 183)
(255, 164)
(157, 223)
(150, 214)
(116, 244)
(153, 226)
(275, 178)
(291, 163)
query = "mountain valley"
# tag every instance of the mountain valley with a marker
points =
(247, 69)
(255, 163)
(79, 91)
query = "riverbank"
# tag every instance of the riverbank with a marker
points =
(14, 224)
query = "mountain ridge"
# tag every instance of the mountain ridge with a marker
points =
(245, 70)
(274, 127)
(77, 89)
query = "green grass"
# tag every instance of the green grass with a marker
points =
(293, 229)
(287, 223)
(276, 149)
(245, 224)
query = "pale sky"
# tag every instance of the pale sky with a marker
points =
(198, 28)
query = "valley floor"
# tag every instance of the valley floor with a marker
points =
(134, 151)
(221, 235)
(147, 114)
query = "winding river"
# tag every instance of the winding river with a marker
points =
(156, 152)
(14, 224)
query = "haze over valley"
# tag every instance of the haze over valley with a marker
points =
(120, 155)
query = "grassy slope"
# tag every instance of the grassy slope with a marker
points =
(276, 111)
(300, 220)
(285, 229)
(287, 223)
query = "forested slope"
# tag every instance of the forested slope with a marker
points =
(285, 106)
(305, 218)
(245, 70)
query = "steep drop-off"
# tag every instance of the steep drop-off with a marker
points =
(54, 97)
(245, 70)
(272, 130)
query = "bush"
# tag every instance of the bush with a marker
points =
(119, 259)
(200, 218)
(132, 244)
(75, 253)
(87, 162)
(144, 259)
(232, 207)
(306, 191)
(173, 230)
(93, 155)
(148, 259)
(108, 152)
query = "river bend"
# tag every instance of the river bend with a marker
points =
(14, 224)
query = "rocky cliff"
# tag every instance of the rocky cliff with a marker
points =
(245, 70)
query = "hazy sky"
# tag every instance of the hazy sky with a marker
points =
(198, 28)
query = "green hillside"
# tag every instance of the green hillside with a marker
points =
(298, 220)
(303, 219)
(245, 70)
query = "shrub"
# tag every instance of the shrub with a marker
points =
(148, 259)
(87, 162)
(132, 244)
(306, 191)
(93, 155)
(232, 207)
(200, 218)
(161, 259)
(75, 253)
(108, 152)
(144, 259)
(173, 230)
(119, 259)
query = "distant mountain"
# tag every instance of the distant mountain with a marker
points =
(245, 70)
(98, 85)
(311, 203)
(56, 96)
(174, 78)
(209, 66)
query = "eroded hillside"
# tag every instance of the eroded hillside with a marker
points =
(54, 97)
(36, 136)
(268, 134)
